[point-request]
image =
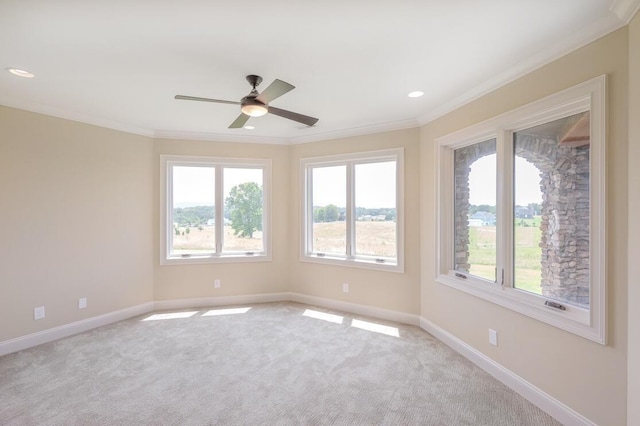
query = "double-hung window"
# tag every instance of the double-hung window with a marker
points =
(522, 207)
(214, 209)
(352, 209)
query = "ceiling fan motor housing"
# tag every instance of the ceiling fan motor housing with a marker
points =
(253, 107)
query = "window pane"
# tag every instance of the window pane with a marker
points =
(193, 210)
(243, 204)
(329, 209)
(475, 209)
(375, 196)
(551, 212)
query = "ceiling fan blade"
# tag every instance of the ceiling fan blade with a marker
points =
(194, 98)
(275, 90)
(304, 119)
(240, 121)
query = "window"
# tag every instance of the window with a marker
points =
(352, 210)
(214, 209)
(521, 210)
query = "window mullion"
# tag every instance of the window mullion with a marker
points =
(350, 213)
(504, 210)
(219, 222)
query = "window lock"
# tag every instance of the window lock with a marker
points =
(555, 305)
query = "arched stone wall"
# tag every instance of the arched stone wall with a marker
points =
(564, 183)
(464, 158)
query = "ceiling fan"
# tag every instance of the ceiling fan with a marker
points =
(257, 104)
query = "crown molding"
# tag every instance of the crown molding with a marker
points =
(356, 131)
(219, 137)
(625, 10)
(75, 116)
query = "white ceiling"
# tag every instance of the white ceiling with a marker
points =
(119, 63)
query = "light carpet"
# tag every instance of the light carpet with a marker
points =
(275, 364)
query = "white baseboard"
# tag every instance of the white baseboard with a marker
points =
(536, 396)
(161, 305)
(354, 308)
(45, 336)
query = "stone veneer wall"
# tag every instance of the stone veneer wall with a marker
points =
(564, 183)
(464, 158)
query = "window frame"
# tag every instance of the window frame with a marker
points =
(588, 323)
(167, 162)
(350, 161)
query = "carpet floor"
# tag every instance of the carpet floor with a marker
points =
(266, 364)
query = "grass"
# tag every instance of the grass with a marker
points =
(372, 238)
(482, 254)
(203, 240)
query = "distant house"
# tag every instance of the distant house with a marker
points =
(524, 212)
(485, 219)
(475, 222)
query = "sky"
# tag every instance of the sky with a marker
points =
(482, 182)
(195, 186)
(375, 185)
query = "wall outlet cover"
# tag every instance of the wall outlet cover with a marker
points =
(38, 313)
(493, 337)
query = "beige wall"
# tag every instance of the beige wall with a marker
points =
(634, 225)
(75, 203)
(196, 281)
(586, 376)
(386, 290)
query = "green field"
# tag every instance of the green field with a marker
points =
(482, 254)
(202, 239)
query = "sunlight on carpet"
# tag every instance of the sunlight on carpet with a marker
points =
(170, 315)
(323, 316)
(230, 311)
(376, 328)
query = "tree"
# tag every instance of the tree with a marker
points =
(244, 205)
(331, 213)
(318, 214)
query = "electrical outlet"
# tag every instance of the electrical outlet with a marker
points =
(38, 313)
(345, 287)
(493, 337)
(216, 283)
(82, 303)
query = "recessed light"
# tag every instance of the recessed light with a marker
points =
(20, 73)
(416, 94)
(249, 127)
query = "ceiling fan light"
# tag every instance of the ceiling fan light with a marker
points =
(254, 110)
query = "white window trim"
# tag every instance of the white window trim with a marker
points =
(588, 323)
(367, 262)
(167, 161)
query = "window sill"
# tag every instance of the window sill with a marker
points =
(353, 263)
(227, 258)
(574, 320)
